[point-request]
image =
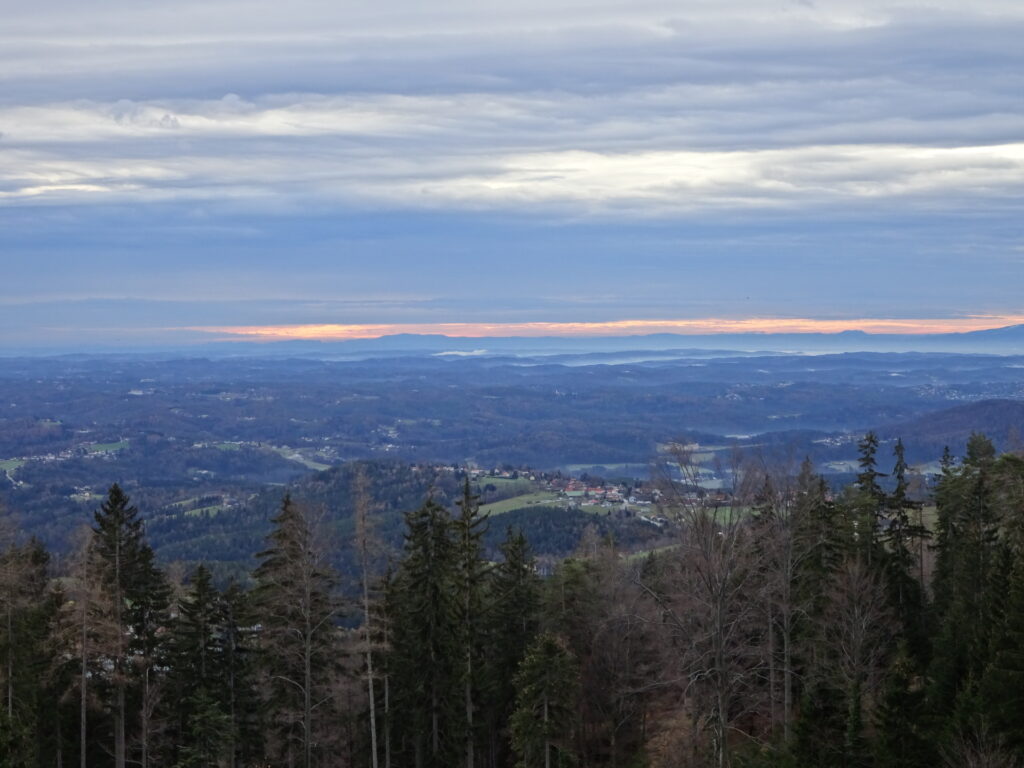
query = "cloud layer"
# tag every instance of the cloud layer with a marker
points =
(176, 137)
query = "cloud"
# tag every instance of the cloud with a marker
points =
(601, 159)
(699, 325)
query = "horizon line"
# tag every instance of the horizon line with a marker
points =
(708, 326)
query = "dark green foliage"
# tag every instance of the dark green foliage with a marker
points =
(427, 661)
(197, 676)
(968, 592)
(544, 721)
(899, 718)
(207, 732)
(298, 615)
(138, 599)
(471, 573)
(880, 677)
(514, 605)
(1001, 689)
(820, 725)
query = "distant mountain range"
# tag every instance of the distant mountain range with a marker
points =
(1002, 341)
(1007, 340)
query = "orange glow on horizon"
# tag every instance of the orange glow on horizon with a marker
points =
(708, 325)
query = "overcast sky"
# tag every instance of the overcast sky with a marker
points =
(195, 164)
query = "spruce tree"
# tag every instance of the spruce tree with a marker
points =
(240, 667)
(970, 584)
(543, 723)
(869, 509)
(472, 570)
(512, 626)
(1002, 684)
(136, 598)
(902, 535)
(24, 617)
(298, 612)
(198, 662)
(427, 660)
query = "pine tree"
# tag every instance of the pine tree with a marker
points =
(870, 500)
(1002, 684)
(472, 570)
(137, 598)
(967, 586)
(427, 661)
(901, 537)
(198, 665)
(239, 670)
(543, 723)
(298, 611)
(208, 729)
(148, 617)
(900, 716)
(512, 626)
(24, 615)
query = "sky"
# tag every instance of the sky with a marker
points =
(178, 172)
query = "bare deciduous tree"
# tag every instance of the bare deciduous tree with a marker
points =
(857, 629)
(707, 596)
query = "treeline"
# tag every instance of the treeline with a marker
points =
(787, 627)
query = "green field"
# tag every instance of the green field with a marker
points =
(293, 455)
(228, 446)
(518, 502)
(107, 447)
(205, 511)
(9, 465)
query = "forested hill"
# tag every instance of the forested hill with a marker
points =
(227, 539)
(1001, 420)
(781, 627)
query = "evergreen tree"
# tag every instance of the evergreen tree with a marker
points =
(137, 598)
(513, 621)
(147, 614)
(899, 717)
(543, 723)
(472, 570)
(208, 729)
(427, 661)
(298, 612)
(870, 501)
(902, 535)
(239, 670)
(1002, 684)
(24, 617)
(198, 662)
(967, 578)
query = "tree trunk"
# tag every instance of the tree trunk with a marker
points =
(369, 665)
(787, 675)
(83, 698)
(119, 755)
(10, 661)
(145, 719)
(307, 702)
(387, 721)
(773, 696)
(547, 743)
(232, 716)
(119, 671)
(469, 707)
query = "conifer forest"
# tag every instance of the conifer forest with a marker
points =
(784, 624)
